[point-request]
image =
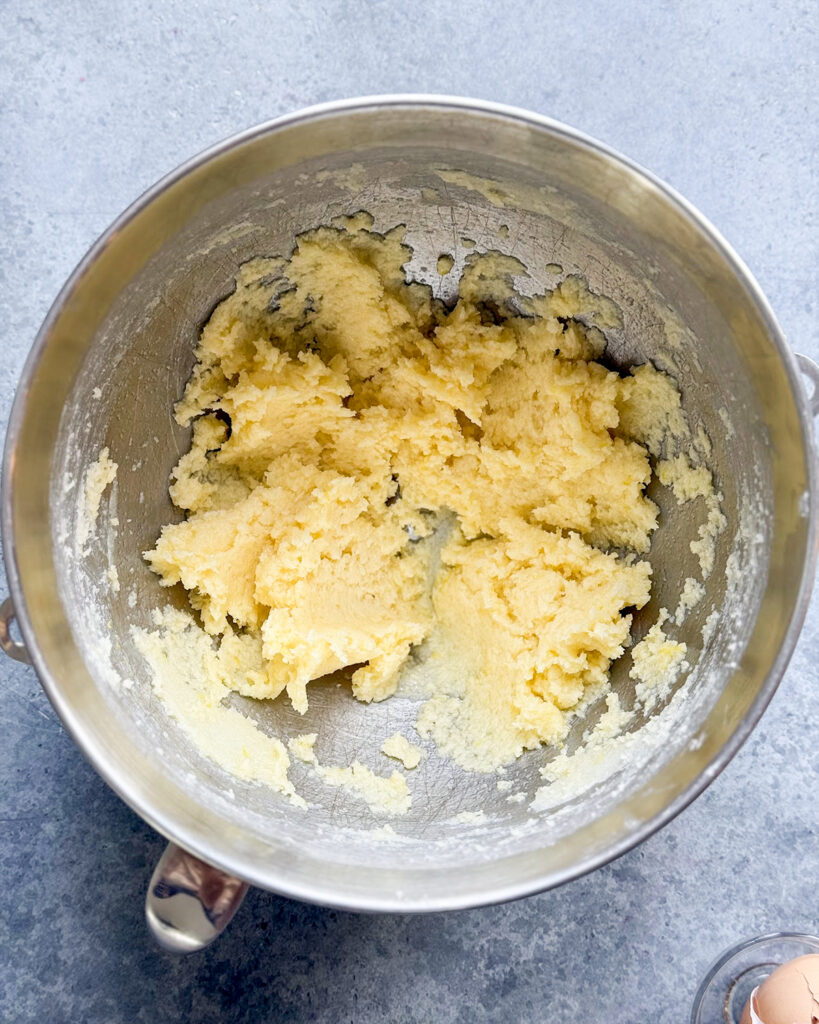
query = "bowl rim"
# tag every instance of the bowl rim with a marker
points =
(319, 891)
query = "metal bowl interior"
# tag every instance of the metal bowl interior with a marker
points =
(115, 353)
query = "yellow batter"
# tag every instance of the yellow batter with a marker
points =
(373, 475)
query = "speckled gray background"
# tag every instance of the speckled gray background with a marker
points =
(97, 101)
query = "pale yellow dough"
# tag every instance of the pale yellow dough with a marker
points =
(97, 477)
(191, 678)
(657, 662)
(343, 423)
(384, 794)
(402, 750)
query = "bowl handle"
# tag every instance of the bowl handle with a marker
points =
(811, 371)
(189, 902)
(13, 648)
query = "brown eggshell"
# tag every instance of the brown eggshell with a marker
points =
(790, 995)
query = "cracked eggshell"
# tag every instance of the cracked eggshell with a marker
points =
(789, 996)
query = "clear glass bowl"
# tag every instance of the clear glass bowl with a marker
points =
(727, 986)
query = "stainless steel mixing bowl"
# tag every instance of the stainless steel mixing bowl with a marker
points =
(114, 354)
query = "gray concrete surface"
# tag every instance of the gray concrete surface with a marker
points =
(97, 100)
